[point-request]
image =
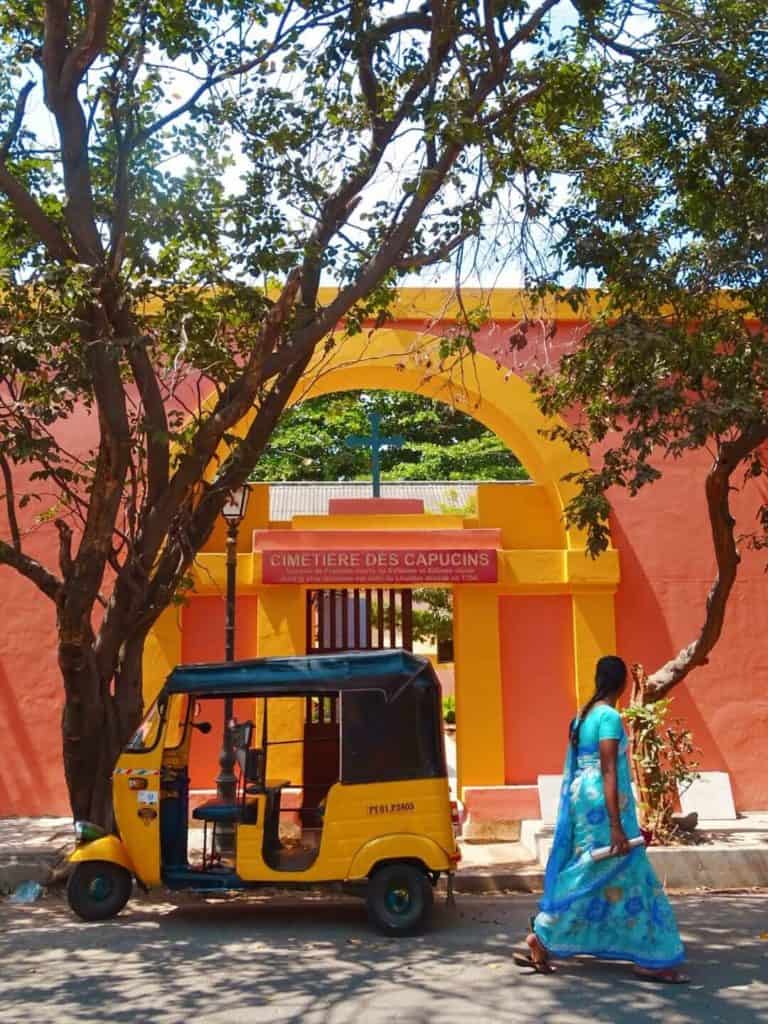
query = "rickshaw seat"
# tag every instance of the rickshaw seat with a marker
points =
(220, 811)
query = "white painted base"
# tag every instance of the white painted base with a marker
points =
(710, 796)
(549, 796)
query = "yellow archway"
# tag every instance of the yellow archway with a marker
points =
(402, 360)
(405, 360)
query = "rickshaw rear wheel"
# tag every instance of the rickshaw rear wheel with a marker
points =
(98, 889)
(399, 898)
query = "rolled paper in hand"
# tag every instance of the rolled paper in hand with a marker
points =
(603, 852)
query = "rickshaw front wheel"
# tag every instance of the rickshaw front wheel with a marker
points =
(98, 890)
(399, 898)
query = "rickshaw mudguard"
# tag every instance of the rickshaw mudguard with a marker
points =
(399, 846)
(108, 848)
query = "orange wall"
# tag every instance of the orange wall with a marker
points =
(31, 772)
(666, 565)
(667, 568)
(538, 687)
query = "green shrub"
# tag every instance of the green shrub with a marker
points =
(449, 710)
(663, 764)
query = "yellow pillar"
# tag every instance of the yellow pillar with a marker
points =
(162, 652)
(281, 631)
(594, 634)
(477, 665)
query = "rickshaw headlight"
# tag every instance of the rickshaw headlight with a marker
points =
(86, 832)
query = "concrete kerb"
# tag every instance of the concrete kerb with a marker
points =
(734, 858)
(31, 850)
(731, 855)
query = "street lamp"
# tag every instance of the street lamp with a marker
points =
(234, 513)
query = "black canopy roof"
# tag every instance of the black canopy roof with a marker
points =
(311, 675)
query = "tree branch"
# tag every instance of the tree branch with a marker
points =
(156, 420)
(528, 28)
(65, 546)
(31, 570)
(229, 410)
(337, 207)
(437, 255)
(89, 46)
(210, 83)
(110, 472)
(21, 199)
(178, 554)
(390, 251)
(63, 69)
(408, 22)
(493, 43)
(722, 525)
(10, 502)
(37, 220)
(16, 121)
(365, 73)
(635, 52)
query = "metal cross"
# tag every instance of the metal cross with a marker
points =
(375, 442)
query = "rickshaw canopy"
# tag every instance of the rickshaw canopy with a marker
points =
(314, 675)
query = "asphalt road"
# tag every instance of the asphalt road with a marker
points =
(316, 961)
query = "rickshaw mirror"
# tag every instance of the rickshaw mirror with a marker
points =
(203, 727)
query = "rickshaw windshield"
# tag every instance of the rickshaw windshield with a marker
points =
(146, 736)
(178, 721)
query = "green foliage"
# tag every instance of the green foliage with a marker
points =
(667, 213)
(454, 506)
(663, 764)
(432, 614)
(449, 710)
(441, 443)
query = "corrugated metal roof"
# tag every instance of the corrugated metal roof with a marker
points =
(287, 500)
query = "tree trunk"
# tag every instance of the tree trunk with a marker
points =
(642, 781)
(100, 714)
(129, 697)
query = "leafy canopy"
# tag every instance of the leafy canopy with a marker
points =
(667, 211)
(441, 443)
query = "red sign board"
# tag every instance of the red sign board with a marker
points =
(398, 565)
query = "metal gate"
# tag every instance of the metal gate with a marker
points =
(359, 620)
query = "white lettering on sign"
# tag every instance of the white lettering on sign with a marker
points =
(399, 565)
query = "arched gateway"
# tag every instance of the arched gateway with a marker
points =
(531, 610)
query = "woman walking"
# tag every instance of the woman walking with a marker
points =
(613, 908)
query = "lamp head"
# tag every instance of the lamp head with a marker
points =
(236, 504)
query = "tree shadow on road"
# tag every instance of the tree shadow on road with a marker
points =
(312, 959)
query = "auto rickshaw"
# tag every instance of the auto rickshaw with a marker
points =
(375, 811)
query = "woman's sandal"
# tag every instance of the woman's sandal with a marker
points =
(538, 963)
(668, 977)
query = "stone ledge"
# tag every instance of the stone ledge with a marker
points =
(497, 878)
(739, 864)
(29, 865)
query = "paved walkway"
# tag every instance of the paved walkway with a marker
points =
(20, 834)
(734, 855)
(310, 960)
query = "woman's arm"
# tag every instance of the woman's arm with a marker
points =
(609, 750)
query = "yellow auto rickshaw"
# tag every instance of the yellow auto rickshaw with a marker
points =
(375, 812)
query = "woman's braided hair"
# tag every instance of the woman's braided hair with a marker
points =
(610, 676)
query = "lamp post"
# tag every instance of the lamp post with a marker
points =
(234, 513)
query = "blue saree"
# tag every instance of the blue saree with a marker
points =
(614, 909)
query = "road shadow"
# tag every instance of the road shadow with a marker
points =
(312, 959)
